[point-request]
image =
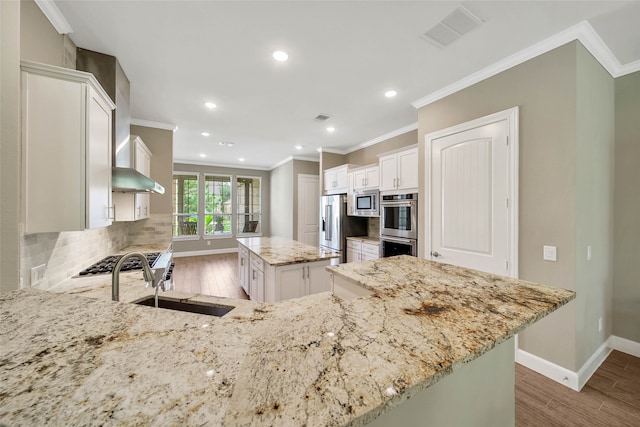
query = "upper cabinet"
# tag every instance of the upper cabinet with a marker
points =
(399, 170)
(135, 206)
(66, 143)
(336, 179)
(366, 178)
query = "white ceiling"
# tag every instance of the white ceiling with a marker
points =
(343, 56)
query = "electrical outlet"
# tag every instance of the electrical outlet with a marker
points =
(600, 324)
(549, 253)
(589, 253)
(38, 274)
(208, 242)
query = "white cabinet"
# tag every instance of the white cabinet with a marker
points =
(243, 267)
(256, 279)
(399, 170)
(361, 250)
(366, 178)
(66, 143)
(135, 206)
(336, 179)
(296, 280)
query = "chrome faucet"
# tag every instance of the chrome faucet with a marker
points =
(152, 279)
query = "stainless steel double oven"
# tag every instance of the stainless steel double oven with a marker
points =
(399, 225)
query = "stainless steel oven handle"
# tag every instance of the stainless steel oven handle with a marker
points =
(397, 239)
(397, 203)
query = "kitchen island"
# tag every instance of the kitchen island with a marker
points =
(316, 361)
(273, 269)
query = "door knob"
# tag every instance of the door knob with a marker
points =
(435, 254)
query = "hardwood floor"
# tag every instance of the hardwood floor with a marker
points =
(215, 275)
(610, 398)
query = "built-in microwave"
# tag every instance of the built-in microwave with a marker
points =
(364, 203)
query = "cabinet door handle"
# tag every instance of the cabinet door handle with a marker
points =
(302, 273)
(398, 183)
(241, 261)
(253, 274)
(394, 182)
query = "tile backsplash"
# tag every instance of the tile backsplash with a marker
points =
(67, 253)
(373, 229)
(154, 230)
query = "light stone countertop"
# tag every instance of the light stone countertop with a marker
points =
(315, 361)
(282, 251)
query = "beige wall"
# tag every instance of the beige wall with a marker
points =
(545, 90)
(284, 196)
(9, 145)
(594, 204)
(282, 200)
(39, 41)
(626, 284)
(369, 155)
(230, 243)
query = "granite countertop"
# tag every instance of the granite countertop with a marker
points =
(282, 251)
(316, 360)
(366, 239)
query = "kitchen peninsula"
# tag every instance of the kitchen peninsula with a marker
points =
(316, 361)
(273, 269)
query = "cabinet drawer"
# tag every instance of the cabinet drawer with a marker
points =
(257, 262)
(370, 248)
(354, 244)
(243, 250)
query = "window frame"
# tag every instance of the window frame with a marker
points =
(195, 236)
(204, 234)
(237, 214)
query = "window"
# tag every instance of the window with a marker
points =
(248, 206)
(217, 205)
(185, 205)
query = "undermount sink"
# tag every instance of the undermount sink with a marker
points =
(212, 310)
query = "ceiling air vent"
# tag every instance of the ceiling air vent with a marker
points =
(322, 118)
(451, 28)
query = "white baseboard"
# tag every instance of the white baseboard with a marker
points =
(576, 380)
(624, 345)
(205, 252)
(548, 369)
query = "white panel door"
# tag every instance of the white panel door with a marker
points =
(469, 198)
(308, 209)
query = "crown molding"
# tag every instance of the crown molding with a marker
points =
(333, 151)
(218, 165)
(386, 136)
(53, 14)
(151, 124)
(582, 32)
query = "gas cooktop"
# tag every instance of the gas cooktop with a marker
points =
(106, 265)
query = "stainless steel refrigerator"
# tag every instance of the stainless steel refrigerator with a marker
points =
(336, 225)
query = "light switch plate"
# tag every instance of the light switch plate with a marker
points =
(549, 253)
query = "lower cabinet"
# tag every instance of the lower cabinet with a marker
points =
(243, 267)
(296, 280)
(256, 279)
(359, 250)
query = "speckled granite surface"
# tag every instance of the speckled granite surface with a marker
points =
(281, 251)
(313, 361)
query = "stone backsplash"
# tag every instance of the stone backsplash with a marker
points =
(373, 229)
(154, 230)
(67, 253)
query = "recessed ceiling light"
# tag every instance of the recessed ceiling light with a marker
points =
(298, 147)
(319, 149)
(390, 93)
(280, 55)
(205, 133)
(210, 105)
(241, 159)
(225, 144)
(331, 129)
(203, 155)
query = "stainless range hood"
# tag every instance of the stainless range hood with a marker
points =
(109, 73)
(129, 180)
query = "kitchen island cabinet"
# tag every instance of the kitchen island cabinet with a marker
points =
(283, 269)
(66, 133)
(318, 360)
